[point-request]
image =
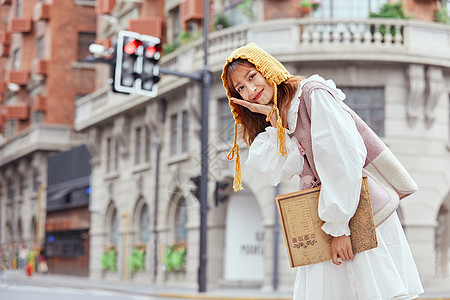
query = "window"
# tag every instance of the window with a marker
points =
(19, 8)
(65, 243)
(179, 126)
(38, 117)
(226, 121)
(84, 40)
(185, 132)
(239, 16)
(181, 221)
(114, 229)
(109, 154)
(112, 155)
(143, 225)
(21, 184)
(40, 47)
(368, 103)
(116, 156)
(10, 129)
(174, 135)
(10, 186)
(16, 59)
(35, 181)
(174, 16)
(347, 9)
(138, 146)
(148, 144)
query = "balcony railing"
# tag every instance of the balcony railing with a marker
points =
(39, 136)
(323, 39)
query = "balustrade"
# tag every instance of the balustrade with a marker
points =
(323, 32)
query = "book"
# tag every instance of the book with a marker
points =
(306, 242)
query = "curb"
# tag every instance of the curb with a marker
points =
(212, 297)
(173, 295)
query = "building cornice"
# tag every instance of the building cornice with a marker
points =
(39, 137)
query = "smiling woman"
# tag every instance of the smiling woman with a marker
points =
(252, 93)
(300, 126)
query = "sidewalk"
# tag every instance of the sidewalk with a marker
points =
(165, 292)
(141, 288)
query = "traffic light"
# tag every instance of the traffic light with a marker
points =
(137, 69)
(150, 67)
(196, 189)
(222, 191)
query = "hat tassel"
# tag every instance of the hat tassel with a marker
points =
(237, 182)
(281, 135)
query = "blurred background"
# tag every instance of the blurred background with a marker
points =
(105, 185)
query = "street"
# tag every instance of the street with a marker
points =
(19, 291)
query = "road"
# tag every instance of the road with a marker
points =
(18, 291)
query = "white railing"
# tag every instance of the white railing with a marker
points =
(342, 37)
(388, 32)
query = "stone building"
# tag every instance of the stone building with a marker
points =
(43, 45)
(146, 152)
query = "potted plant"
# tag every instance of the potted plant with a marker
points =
(221, 22)
(389, 11)
(137, 259)
(175, 256)
(315, 4)
(109, 259)
(306, 7)
(441, 14)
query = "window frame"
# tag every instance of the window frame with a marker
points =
(179, 131)
(368, 110)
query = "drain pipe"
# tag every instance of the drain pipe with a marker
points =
(276, 234)
(158, 143)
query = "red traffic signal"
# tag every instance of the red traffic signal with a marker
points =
(136, 69)
(132, 46)
(153, 51)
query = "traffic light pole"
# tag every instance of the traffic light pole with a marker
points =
(204, 159)
(204, 78)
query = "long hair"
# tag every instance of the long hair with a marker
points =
(255, 123)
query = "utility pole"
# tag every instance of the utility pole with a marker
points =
(204, 159)
(204, 78)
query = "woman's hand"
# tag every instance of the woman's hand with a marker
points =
(341, 246)
(256, 108)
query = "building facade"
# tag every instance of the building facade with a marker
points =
(146, 152)
(43, 45)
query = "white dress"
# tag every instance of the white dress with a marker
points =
(386, 272)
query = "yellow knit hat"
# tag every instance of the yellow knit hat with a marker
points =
(275, 73)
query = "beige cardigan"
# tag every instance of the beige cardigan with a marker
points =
(388, 179)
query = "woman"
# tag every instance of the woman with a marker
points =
(300, 126)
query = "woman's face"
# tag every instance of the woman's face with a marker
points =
(251, 85)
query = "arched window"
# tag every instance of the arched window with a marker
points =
(19, 231)
(114, 229)
(180, 221)
(33, 228)
(143, 225)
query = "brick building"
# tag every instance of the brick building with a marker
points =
(146, 151)
(43, 45)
